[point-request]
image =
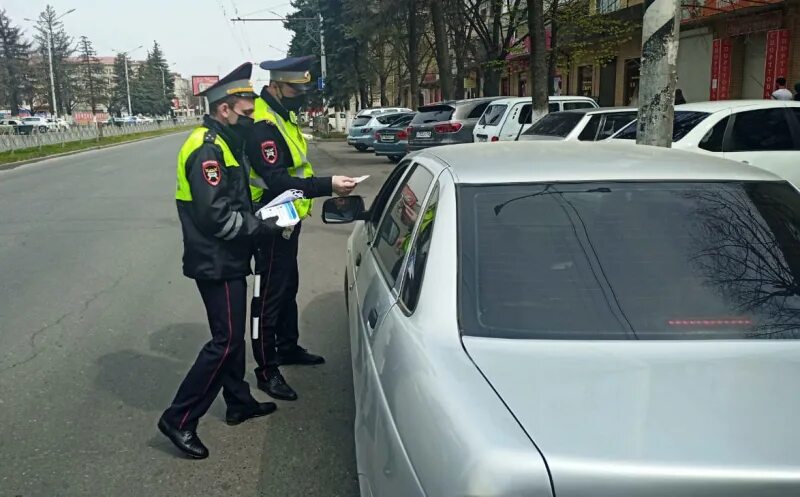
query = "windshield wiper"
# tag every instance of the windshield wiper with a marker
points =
(546, 191)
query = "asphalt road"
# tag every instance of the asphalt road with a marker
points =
(98, 327)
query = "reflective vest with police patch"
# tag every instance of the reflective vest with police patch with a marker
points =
(293, 136)
(195, 141)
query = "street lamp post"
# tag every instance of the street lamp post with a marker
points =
(127, 79)
(49, 38)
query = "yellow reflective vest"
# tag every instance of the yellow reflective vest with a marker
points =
(195, 141)
(298, 146)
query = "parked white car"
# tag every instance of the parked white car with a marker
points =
(39, 124)
(580, 125)
(58, 124)
(503, 119)
(382, 110)
(762, 133)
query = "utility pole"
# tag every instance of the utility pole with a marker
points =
(127, 78)
(658, 72)
(49, 38)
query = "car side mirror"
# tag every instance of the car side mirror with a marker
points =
(343, 210)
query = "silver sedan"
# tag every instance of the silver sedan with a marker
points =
(575, 320)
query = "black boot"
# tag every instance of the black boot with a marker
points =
(299, 355)
(235, 417)
(276, 387)
(186, 440)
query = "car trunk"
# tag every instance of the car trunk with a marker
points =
(424, 125)
(654, 418)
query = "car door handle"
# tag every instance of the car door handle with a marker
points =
(745, 162)
(358, 260)
(372, 318)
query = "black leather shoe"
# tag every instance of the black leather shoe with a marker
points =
(234, 418)
(185, 440)
(300, 356)
(276, 387)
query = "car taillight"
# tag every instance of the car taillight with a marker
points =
(403, 134)
(495, 138)
(447, 127)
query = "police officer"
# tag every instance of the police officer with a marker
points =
(218, 224)
(279, 154)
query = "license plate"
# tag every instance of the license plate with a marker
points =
(423, 134)
(387, 138)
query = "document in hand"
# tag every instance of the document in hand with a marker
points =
(282, 208)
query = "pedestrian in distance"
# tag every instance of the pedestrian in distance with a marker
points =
(679, 98)
(278, 152)
(218, 225)
(781, 93)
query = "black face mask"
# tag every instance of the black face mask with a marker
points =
(293, 103)
(244, 124)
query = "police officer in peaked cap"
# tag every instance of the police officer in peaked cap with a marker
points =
(216, 214)
(278, 153)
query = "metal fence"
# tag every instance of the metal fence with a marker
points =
(93, 132)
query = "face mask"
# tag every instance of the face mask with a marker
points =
(293, 103)
(243, 124)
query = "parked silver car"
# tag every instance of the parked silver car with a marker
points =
(588, 320)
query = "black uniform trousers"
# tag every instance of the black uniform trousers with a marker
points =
(221, 362)
(276, 306)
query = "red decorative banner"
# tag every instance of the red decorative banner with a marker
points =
(724, 85)
(770, 64)
(721, 69)
(782, 62)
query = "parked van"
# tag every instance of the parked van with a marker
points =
(507, 118)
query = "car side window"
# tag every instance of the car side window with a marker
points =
(761, 130)
(381, 200)
(525, 114)
(589, 133)
(418, 254)
(614, 123)
(553, 107)
(477, 112)
(796, 112)
(712, 141)
(395, 230)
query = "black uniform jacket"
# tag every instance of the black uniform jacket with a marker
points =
(270, 157)
(218, 224)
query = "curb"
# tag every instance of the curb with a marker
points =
(13, 165)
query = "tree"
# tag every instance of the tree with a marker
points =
(538, 57)
(462, 40)
(442, 49)
(14, 52)
(153, 87)
(495, 28)
(118, 100)
(93, 89)
(50, 31)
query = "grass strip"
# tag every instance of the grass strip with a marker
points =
(24, 154)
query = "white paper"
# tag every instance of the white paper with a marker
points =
(361, 178)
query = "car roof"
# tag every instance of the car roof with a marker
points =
(559, 98)
(718, 105)
(515, 162)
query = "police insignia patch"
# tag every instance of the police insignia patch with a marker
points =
(269, 150)
(211, 172)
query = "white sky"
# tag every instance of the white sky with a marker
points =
(195, 35)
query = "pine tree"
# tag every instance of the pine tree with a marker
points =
(51, 30)
(119, 89)
(92, 83)
(155, 86)
(14, 52)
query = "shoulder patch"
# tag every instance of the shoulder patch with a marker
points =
(212, 173)
(210, 136)
(269, 151)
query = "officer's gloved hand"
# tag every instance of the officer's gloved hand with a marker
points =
(270, 224)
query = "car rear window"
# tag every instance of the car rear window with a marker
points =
(684, 122)
(403, 121)
(491, 116)
(634, 260)
(387, 118)
(555, 124)
(433, 114)
(361, 121)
